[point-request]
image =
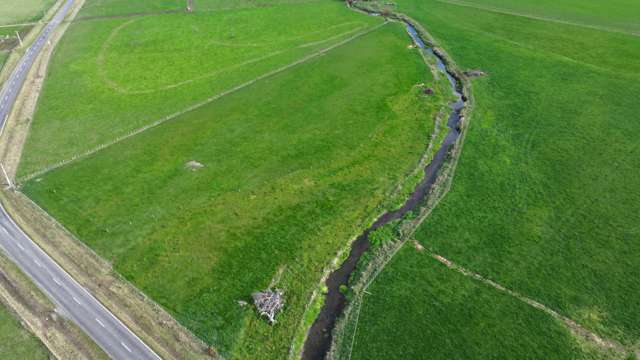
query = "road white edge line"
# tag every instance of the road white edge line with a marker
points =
(91, 297)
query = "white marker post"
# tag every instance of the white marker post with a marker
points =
(19, 38)
(4, 172)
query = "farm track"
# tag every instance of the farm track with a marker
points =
(161, 121)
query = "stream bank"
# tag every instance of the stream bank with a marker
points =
(319, 337)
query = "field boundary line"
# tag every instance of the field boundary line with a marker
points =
(539, 18)
(197, 105)
(606, 344)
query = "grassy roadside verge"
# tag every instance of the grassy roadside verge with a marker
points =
(17, 125)
(524, 192)
(63, 338)
(145, 318)
(16, 341)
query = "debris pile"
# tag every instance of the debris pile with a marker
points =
(269, 303)
(193, 165)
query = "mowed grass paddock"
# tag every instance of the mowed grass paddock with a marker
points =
(294, 166)
(546, 197)
(112, 76)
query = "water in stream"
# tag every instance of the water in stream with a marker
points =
(319, 337)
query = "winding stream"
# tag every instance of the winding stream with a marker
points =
(318, 339)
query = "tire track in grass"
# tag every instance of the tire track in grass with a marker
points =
(161, 121)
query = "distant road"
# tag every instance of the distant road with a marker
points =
(72, 300)
(12, 86)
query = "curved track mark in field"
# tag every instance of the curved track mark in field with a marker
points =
(539, 18)
(101, 61)
(135, 132)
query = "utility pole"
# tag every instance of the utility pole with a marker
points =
(19, 38)
(4, 172)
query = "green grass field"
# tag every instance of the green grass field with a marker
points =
(546, 197)
(146, 68)
(16, 342)
(295, 165)
(445, 315)
(19, 11)
(99, 8)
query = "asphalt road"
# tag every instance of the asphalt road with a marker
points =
(12, 86)
(72, 300)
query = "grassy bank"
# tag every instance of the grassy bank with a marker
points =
(16, 342)
(293, 167)
(20, 11)
(545, 198)
(3, 57)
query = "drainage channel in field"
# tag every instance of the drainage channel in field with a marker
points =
(318, 339)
